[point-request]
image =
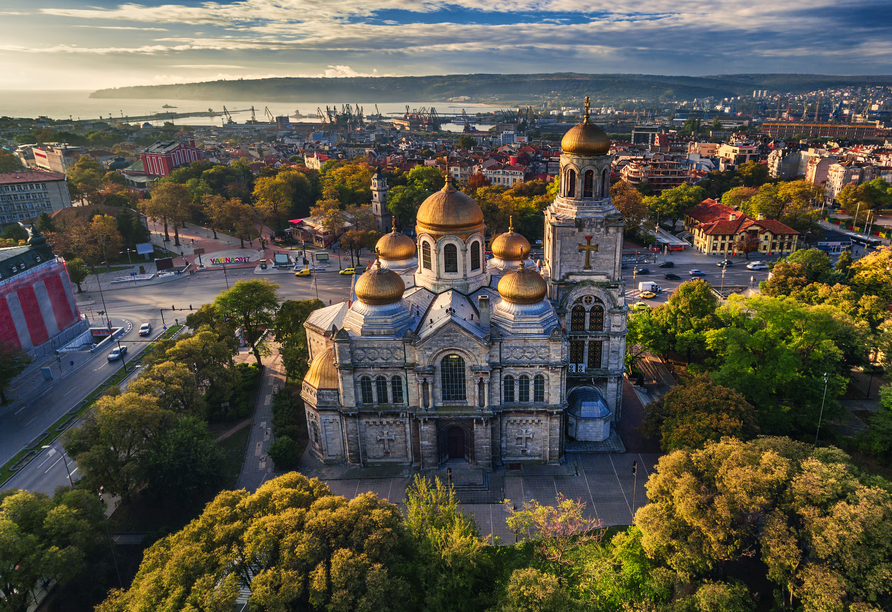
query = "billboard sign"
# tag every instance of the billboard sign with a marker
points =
(145, 248)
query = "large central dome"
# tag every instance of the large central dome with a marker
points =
(449, 211)
(586, 139)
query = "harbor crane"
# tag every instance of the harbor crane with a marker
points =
(228, 120)
(269, 114)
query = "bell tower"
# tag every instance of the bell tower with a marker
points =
(383, 216)
(583, 260)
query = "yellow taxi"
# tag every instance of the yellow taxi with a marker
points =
(648, 295)
(348, 271)
(304, 272)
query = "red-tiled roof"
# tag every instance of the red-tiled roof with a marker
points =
(714, 219)
(30, 177)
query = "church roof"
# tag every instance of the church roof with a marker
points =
(324, 318)
(452, 306)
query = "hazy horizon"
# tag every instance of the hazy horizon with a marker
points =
(95, 44)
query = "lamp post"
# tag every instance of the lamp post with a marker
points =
(122, 352)
(67, 469)
(225, 275)
(722, 290)
(102, 297)
(821, 415)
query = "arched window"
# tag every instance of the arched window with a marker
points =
(425, 394)
(523, 393)
(594, 353)
(450, 258)
(365, 384)
(571, 183)
(426, 255)
(481, 393)
(381, 389)
(539, 388)
(452, 377)
(396, 389)
(605, 183)
(588, 185)
(596, 318)
(509, 390)
(475, 255)
(577, 318)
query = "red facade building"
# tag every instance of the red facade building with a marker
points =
(162, 158)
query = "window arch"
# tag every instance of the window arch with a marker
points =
(381, 389)
(596, 318)
(396, 390)
(425, 394)
(450, 258)
(571, 183)
(577, 318)
(539, 388)
(523, 390)
(594, 353)
(475, 255)
(452, 377)
(481, 393)
(605, 183)
(588, 185)
(509, 390)
(426, 255)
(365, 385)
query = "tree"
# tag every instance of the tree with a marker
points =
(113, 440)
(43, 539)
(244, 219)
(872, 274)
(183, 463)
(753, 174)
(530, 590)
(45, 223)
(292, 335)
(698, 412)
(253, 305)
(477, 180)
(465, 142)
(279, 197)
(9, 162)
(174, 386)
(350, 184)
(103, 232)
(786, 278)
(555, 531)
(738, 196)
(77, 272)
(630, 204)
(816, 263)
(14, 231)
(746, 243)
(681, 324)
(674, 202)
(85, 179)
(170, 202)
(13, 362)
(806, 514)
(292, 543)
(283, 451)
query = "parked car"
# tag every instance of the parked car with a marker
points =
(648, 294)
(640, 306)
(348, 271)
(725, 263)
(696, 272)
(304, 272)
(145, 329)
(671, 277)
(116, 353)
(642, 271)
(757, 265)
(667, 264)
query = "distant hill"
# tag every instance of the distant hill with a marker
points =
(493, 87)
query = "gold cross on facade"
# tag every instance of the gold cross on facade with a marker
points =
(588, 247)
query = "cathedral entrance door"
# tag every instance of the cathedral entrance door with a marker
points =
(455, 442)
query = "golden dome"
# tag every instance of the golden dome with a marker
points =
(586, 139)
(395, 246)
(449, 211)
(523, 286)
(322, 373)
(510, 246)
(379, 286)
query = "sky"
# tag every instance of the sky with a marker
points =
(92, 44)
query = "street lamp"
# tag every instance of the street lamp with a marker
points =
(102, 297)
(67, 469)
(122, 352)
(821, 415)
(722, 290)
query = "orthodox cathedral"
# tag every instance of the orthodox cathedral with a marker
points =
(444, 354)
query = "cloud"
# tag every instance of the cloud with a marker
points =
(203, 66)
(140, 29)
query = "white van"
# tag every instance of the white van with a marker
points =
(649, 286)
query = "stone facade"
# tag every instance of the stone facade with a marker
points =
(465, 368)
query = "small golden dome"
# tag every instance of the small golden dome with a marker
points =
(449, 211)
(379, 286)
(523, 286)
(586, 139)
(322, 373)
(510, 246)
(395, 246)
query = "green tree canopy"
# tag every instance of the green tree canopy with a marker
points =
(253, 305)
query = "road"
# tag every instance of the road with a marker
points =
(735, 275)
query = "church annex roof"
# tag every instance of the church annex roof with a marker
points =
(324, 318)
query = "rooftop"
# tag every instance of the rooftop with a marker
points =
(11, 178)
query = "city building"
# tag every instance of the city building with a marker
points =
(24, 195)
(722, 230)
(848, 172)
(732, 157)
(506, 175)
(856, 131)
(444, 355)
(660, 171)
(38, 312)
(161, 158)
(56, 158)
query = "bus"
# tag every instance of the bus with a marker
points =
(865, 241)
(834, 248)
